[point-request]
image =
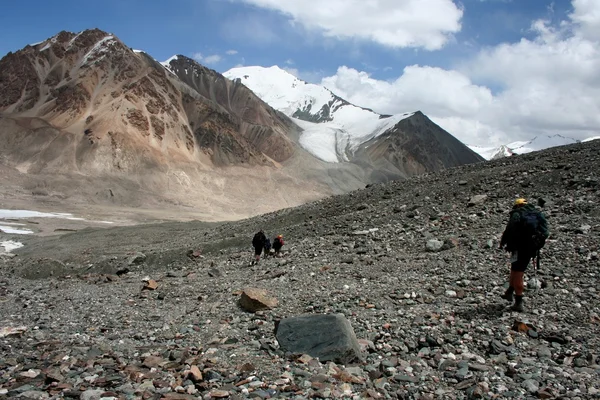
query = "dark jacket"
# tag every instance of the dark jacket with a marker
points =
(258, 241)
(515, 236)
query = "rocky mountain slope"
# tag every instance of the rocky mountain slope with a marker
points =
(85, 107)
(81, 107)
(413, 265)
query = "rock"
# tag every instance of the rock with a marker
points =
(152, 361)
(534, 283)
(583, 229)
(136, 259)
(544, 352)
(34, 395)
(478, 199)
(151, 284)
(214, 273)
(254, 300)
(530, 385)
(12, 331)
(329, 337)
(178, 396)
(218, 394)
(194, 374)
(91, 394)
(451, 293)
(434, 245)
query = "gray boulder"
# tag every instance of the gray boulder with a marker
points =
(329, 337)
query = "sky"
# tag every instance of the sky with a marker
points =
(488, 71)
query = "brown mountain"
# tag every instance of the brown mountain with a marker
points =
(85, 119)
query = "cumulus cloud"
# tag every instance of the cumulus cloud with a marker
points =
(587, 15)
(547, 85)
(212, 59)
(231, 52)
(409, 23)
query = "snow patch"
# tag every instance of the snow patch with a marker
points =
(15, 231)
(591, 138)
(21, 214)
(16, 214)
(524, 146)
(167, 63)
(99, 48)
(10, 245)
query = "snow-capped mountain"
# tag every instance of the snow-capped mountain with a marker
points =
(333, 128)
(539, 142)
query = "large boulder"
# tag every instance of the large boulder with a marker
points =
(329, 337)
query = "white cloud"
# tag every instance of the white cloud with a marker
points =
(212, 59)
(587, 15)
(197, 56)
(231, 52)
(408, 23)
(547, 85)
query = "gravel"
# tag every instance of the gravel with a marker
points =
(430, 324)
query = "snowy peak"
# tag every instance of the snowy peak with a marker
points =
(333, 128)
(539, 142)
(291, 95)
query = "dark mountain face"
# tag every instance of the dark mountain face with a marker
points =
(414, 146)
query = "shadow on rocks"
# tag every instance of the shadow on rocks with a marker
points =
(485, 311)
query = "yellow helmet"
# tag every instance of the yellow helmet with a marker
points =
(520, 202)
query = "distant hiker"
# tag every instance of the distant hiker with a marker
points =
(267, 246)
(278, 244)
(524, 236)
(258, 242)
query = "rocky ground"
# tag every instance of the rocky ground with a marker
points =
(153, 311)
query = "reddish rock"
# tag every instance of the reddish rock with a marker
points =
(253, 300)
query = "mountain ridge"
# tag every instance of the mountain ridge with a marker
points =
(87, 105)
(324, 116)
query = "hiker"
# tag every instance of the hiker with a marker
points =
(267, 247)
(278, 244)
(258, 242)
(524, 236)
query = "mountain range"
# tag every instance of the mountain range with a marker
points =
(85, 118)
(539, 142)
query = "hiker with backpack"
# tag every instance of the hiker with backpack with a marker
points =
(525, 234)
(258, 242)
(278, 244)
(267, 247)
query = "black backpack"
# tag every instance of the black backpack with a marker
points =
(532, 230)
(258, 240)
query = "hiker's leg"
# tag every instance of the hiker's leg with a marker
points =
(518, 282)
(517, 270)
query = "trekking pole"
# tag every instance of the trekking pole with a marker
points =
(536, 262)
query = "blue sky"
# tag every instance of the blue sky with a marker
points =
(488, 71)
(259, 35)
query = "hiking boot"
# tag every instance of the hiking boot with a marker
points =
(518, 306)
(508, 295)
